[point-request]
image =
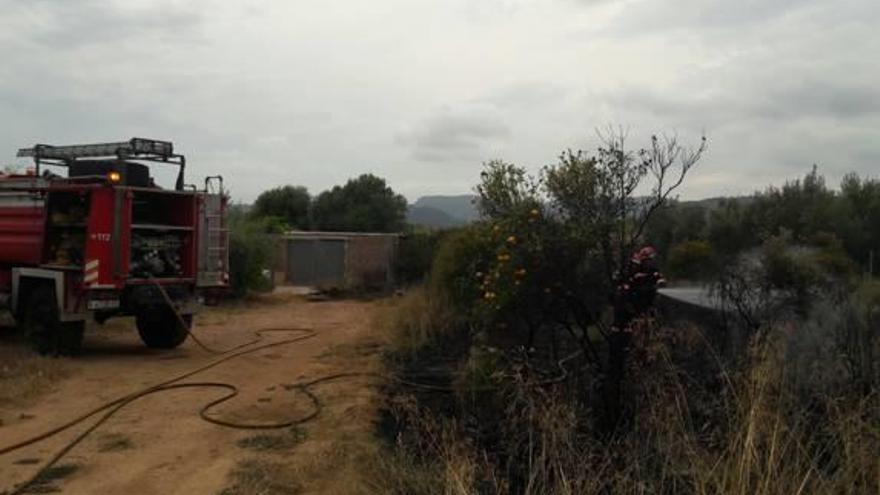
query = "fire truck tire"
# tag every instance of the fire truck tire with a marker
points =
(161, 329)
(43, 327)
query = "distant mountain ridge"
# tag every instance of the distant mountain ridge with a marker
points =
(425, 216)
(443, 211)
(439, 211)
(462, 206)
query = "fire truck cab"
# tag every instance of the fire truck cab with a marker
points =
(106, 241)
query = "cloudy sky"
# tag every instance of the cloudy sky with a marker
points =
(312, 92)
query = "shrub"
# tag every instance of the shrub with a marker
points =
(452, 272)
(415, 254)
(417, 321)
(836, 348)
(251, 254)
(690, 260)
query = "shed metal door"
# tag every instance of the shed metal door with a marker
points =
(316, 262)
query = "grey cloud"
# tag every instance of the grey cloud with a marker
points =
(316, 92)
(870, 156)
(592, 3)
(642, 17)
(787, 101)
(452, 136)
(75, 23)
(823, 99)
(675, 108)
(528, 95)
(492, 10)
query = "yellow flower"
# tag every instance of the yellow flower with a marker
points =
(535, 212)
(511, 240)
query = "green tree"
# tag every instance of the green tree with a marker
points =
(505, 188)
(857, 218)
(550, 250)
(732, 228)
(690, 260)
(802, 207)
(290, 204)
(676, 223)
(364, 204)
(251, 251)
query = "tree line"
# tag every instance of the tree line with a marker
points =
(698, 239)
(362, 204)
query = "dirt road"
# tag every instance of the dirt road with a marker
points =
(159, 445)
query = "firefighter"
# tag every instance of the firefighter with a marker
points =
(637, 289)
(633, 298)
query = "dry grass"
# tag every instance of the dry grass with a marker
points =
(344, 465)
(409, 323)
(114, 442)
(259, 477)
(351, 464)
(775, 448)
(45, 482)
(764, 453)
(283, 442)
(701, 429)
(25, 375)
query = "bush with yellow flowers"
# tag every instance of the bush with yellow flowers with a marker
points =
(550, 249)
(531, 274)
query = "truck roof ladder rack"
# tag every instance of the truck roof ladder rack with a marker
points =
(133, 149)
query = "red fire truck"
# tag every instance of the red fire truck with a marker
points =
(106, 241)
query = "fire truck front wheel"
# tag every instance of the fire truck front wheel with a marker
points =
(162, 329)
(43, 327)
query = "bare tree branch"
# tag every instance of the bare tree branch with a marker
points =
(661, 160)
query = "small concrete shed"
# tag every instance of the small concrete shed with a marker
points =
(337, 260)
